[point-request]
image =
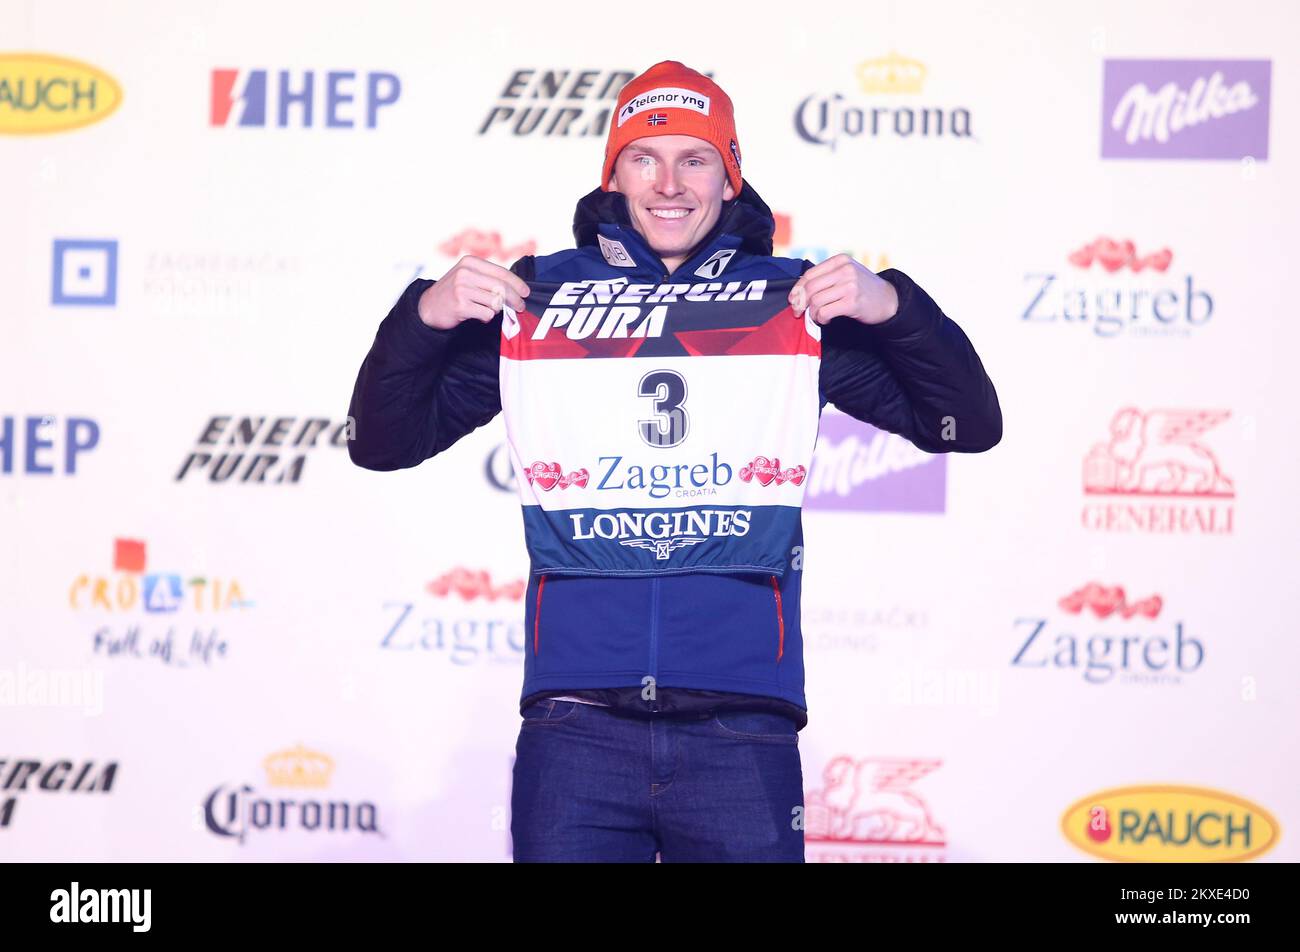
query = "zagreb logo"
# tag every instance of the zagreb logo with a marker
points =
(41, 94)
(1124, 645)
(766, 471)
(867, 810)
(1157, 473)
(547, 476)
(85, 272)
(1185, 109)
(1169, 824)
(463, 614)
(251, 98)
(1138, 300)
(884, 113)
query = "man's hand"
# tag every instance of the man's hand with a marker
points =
(844, 287)
(474, 289)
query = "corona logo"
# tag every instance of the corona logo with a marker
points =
(891, 74)
(298, 767)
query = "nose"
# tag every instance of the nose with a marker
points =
(666, 180)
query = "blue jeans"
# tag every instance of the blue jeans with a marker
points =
(596, 785)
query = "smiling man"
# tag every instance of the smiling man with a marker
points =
(663, 674)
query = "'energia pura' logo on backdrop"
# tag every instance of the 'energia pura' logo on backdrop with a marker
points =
(261, 450)
(1185, 109)
(40, 93)
(1114, 287)
(1158, 473)
(887, 108)
(36, 778)
(1169, 824)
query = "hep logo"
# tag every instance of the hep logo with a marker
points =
(252, 91)
(1099, 828)
(549, 475)
(767, 471)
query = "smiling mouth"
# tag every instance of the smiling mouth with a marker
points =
(670, 214)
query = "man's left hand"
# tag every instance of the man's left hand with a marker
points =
(844, 287)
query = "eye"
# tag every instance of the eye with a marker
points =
(696, 161)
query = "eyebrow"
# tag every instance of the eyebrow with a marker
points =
(689, 153)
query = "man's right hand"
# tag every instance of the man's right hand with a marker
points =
(474, 289)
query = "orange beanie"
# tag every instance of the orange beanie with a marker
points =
(672, 99)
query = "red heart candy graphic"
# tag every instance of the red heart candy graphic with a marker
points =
(545, 475)
(746, 473)
(765, 469)
(579, 478)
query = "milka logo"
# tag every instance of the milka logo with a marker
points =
(1171, 109)
(614, 308)
(1185, 109)
(839, 468)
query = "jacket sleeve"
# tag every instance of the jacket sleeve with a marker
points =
(915, 374)
(420, 388)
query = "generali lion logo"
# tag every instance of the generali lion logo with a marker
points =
(767, 471)
(549, 475)
(869, 802)
(1158, 453)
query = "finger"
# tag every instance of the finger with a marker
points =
(798, 298)
(825, 305)
(480, 312)
(492, 297)
(813, 285)
(488, 269)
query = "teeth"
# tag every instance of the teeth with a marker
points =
(669, 213)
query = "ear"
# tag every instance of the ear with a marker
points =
(728, 193)
(613, 182)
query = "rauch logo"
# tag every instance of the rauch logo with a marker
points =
(40, 93)
(866, 811)
(1156, 474)
(1126, 644)
(1169, 824)
(1116, 289)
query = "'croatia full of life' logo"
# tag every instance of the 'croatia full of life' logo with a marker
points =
(40, 94)
(857, 468)
(868, 811)
(473, 618)
(1117, 287)
(84, 272)
(1185, 109)
(1124, 642)
(1169, 824)
(237, 810)
(161, 596)
(885, 112)
(252, 98)
(1156, 473)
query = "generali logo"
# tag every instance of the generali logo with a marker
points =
(1120, 641)
(1115, 287)
(1157, 473)
(867, 811)
(40, 93)
(1170, 824)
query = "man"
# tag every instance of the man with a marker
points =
(663, 679)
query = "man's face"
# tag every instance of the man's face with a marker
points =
(675, 187)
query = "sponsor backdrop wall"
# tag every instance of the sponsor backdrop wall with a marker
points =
(223, 641)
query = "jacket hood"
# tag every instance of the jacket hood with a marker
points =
(746, 216)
